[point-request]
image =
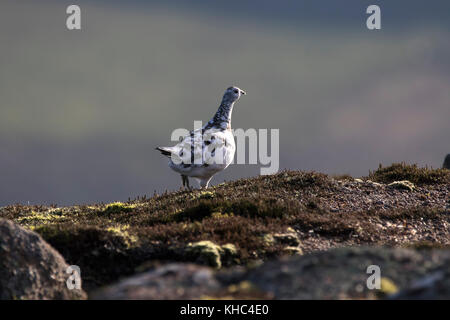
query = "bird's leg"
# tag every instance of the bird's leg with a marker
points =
(187, 183)
(183, 180)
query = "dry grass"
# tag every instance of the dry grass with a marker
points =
(403, 171)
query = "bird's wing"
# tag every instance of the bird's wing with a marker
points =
(214, 147)
(199, 148)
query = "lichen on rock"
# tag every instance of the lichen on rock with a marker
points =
(290, 238)
(292, 251)
(388, 287)
(403, 185)
(209, 253)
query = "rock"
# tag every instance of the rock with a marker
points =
(433, 286)
(229, 250)
(172, 281)
(205, 252)
(288, 238)
(342, 273)
(373, 183)
(30, 268)
(209, 253)
(446, 164)
(293, 251)
(268, 240)
(403, 185)
(229, 255)
(182, 282)
(335, 274)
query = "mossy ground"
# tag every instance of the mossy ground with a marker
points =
(412, 173)
(110, 241)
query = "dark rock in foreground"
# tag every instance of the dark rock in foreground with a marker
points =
(446, 164)
(30, 268)
(172, 281)
(433, 286)
(335, 274)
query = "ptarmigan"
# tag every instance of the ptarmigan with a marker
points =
(209, 150)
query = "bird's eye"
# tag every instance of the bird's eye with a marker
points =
(235, 91)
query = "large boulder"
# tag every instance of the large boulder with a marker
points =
(340, 273)
(435, 286)
(446, 164)
(30, 268)
(172, 281)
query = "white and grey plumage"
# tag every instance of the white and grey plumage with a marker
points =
(209, 150)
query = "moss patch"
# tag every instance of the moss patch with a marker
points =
(209, 253)
(45, 217)
(121, 231)
(116, 208)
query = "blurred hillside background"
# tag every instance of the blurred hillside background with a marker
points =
(81, 111)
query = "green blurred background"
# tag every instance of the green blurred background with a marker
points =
(81, 111)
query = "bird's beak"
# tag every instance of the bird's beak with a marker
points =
(243, 92)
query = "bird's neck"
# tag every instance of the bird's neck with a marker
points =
(222, 118)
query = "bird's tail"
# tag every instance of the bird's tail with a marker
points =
(165, 151)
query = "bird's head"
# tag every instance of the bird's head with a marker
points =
(233, 94)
